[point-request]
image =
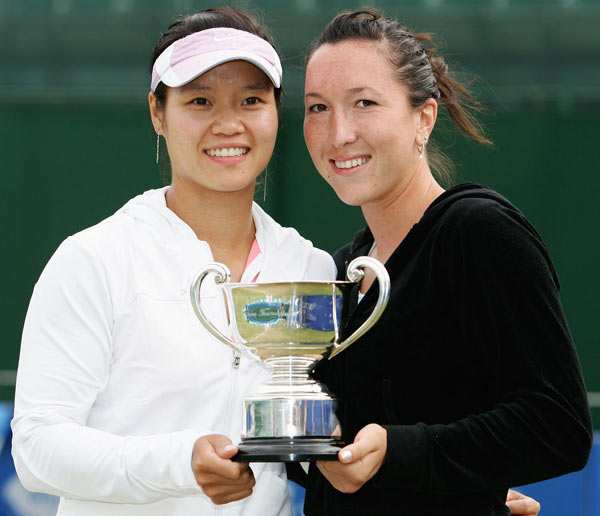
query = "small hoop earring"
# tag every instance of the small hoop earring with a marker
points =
(157, 147)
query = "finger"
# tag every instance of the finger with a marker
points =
(246, 479)
(230, 497)
(222, 445)
(327, 465)
(514, 495)
(355, 452)
(206, 461)
(524, 507)
(227, 472)
(518, 503)
(341, 476)
(359, 449)
(228, 451)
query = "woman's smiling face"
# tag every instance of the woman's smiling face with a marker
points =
(220, 128)
(360, 128)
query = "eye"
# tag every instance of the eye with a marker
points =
(251, 101)
(363, 103)
(317, 108)
(201, 101)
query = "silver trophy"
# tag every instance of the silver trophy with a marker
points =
(290, 326)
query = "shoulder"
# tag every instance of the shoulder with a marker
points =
(142, 218)
(96, 248)
(472, 211)
(487, 230)
(320, 266)
(106, 241)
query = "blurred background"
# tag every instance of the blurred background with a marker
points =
(76, 141)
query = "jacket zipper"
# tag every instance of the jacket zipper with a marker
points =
(235, 365)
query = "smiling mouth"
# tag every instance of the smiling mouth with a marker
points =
(227, 152)
(350, 163)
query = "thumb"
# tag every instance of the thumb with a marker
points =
(365, 442)
(223, 446)
(353, 453)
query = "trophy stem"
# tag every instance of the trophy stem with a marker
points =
(292, 408)
(291, 370)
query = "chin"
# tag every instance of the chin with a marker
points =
(350, 199)
(353, 191)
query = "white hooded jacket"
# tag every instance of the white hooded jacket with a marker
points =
(117, 377)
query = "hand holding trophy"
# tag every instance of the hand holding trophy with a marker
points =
(290, 326)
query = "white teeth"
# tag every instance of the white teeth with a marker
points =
(351, 163)
(227, 152)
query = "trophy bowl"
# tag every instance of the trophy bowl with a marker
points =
(290, 326)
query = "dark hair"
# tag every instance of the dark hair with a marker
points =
(418, 66)
(230, 17)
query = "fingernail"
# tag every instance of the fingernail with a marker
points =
(346, 455)
(229, 447)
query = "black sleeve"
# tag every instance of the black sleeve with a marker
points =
(508, 309)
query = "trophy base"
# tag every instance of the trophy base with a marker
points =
(284, 449)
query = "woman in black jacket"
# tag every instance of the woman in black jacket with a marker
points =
(469, 383)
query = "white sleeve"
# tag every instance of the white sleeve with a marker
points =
(64, 364)
(320, 266)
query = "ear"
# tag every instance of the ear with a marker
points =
(427, 118)
(156, 114)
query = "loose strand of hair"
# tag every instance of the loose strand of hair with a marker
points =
(454, 95)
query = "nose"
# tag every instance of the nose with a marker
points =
(227, 122)
(342, 130)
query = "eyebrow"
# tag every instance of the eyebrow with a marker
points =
(191, 86)
(263, 86)
(357, 89)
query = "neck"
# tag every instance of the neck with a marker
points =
(391, 219)
(223, 219)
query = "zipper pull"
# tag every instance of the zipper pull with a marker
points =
(236, 360)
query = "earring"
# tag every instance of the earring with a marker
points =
(265, 185)
(157, 147)
(422, 147)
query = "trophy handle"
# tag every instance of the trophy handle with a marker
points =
(355, 274)
(223, 275)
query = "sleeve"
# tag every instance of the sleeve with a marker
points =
(64, 363)
(320, 266)
(507, 307)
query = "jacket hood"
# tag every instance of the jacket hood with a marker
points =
(151, 208)
(286, 253)
(364, 238)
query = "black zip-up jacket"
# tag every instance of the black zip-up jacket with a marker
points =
(471, 369)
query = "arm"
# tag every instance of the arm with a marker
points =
(507, 311)
(65, 361)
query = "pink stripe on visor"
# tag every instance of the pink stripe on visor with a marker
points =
(189, 57)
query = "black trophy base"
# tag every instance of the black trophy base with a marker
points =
(283, 449)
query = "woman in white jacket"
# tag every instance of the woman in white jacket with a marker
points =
(123, 399)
